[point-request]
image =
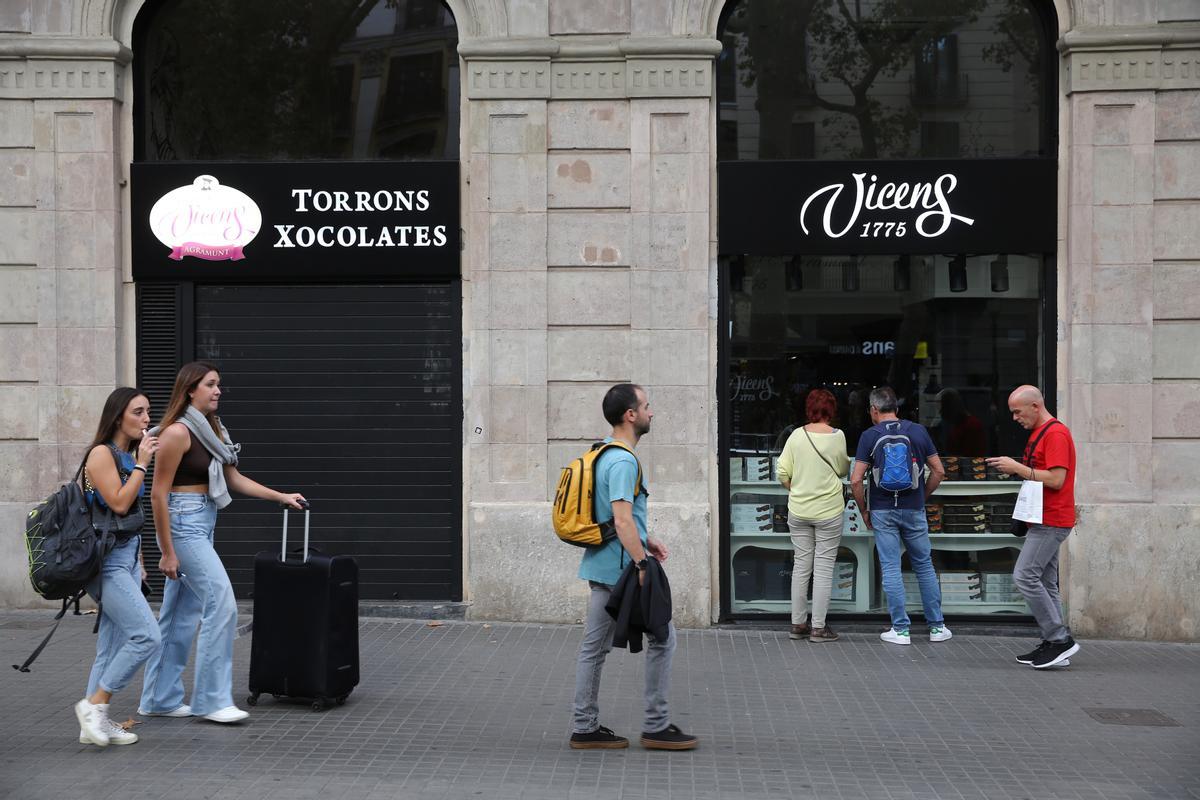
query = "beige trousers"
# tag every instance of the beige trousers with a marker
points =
(815, 544)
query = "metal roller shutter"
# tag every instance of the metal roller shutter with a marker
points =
(352, 396)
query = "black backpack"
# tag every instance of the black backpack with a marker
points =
(66, 549)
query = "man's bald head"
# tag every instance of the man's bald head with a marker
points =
(1027, 394)
(1028, 407)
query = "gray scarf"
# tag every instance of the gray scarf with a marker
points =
(222, 450)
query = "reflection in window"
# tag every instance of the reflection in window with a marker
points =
(865, 76)
(297, 79)
(952, 344)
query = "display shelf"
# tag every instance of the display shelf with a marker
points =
(944, 489)
(861, 543)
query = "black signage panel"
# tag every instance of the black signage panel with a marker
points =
(887, 207)
(274, 221)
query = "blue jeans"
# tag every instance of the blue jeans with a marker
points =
(202, 596)
(128, 633)
(893, 527)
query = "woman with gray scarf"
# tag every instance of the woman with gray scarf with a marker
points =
(197, 469)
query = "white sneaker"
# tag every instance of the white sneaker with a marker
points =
(939, 633)
(227, 715)
(116, 734)
(893, 636)
(182, 711)
(92, 717)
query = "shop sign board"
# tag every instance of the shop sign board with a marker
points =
(272, 221)
(887, 207)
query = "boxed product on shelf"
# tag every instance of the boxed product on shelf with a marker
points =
(1000, 596)
(964, 596)
(959, 578)
(751, 517)
(965, 527)
(758, 469)
(843, 570)
(737, 469)
(961, 519)
(963, 508)
(842, 590)
(780, 516)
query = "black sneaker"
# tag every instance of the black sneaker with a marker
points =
(1027, 658)
(1055, 653)
(600, 739)
(670, 738)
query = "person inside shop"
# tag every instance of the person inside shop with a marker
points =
(197, 470)
(114, 475)
(962, 432)
(897, 515)
(811, 468)
(1050, 460)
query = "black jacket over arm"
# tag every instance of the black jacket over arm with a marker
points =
(640, 609)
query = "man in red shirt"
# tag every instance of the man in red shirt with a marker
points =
(1050, 459)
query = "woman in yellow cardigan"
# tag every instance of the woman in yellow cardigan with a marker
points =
(811, 468)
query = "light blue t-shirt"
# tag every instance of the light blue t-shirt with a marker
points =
(616, 479)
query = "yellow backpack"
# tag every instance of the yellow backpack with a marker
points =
(574, 510)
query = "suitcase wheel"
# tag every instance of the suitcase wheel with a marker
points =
(320, 704)
(341, 701)
(252, 700)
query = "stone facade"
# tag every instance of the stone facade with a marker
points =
(589, 193)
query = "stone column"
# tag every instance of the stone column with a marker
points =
(589, 264)
(1132, 319)
(60, 276)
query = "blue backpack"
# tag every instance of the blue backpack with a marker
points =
(894, 463)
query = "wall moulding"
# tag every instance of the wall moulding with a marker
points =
(579, 79)
(1133, 70)
(60, 79)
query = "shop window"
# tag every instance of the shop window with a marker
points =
(865, 73)
(236, 80)
(950, 336)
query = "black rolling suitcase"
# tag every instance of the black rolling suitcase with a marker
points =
(305, 640)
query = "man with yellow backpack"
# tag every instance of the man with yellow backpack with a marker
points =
(601, 505)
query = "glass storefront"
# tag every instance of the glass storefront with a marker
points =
(952, 336)
(901, 236)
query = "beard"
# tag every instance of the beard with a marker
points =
(642, 430)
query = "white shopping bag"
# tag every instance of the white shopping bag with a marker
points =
(1028, 507)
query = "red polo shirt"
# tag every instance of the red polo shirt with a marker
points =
(1056, 449)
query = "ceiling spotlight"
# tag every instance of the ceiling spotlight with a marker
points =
(1000, 273)
(902, 274)
(850, 276)
(958, 273)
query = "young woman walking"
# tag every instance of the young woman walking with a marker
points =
(113, 475)
(811, 468)
(197, 469)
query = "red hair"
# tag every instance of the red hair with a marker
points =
(821, 406)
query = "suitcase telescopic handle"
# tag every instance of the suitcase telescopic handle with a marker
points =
(283, 546)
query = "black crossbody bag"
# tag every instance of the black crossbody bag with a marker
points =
(1019, 526)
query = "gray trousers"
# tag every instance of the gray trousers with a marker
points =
(1036, 576)
(815, 545)
(597, 641)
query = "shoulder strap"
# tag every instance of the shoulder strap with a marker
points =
(57, 619)
(819, 453)
(1032, 448)
(603, 446)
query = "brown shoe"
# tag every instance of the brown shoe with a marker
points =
(799, 631)
(825, 634)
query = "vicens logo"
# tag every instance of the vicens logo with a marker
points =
(932, 198)
(205, 220)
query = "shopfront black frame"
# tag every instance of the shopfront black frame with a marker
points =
(747, 216)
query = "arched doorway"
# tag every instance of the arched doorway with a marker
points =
(840, 126)
(337, 323)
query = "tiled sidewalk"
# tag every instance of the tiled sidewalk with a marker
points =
(475, 711)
